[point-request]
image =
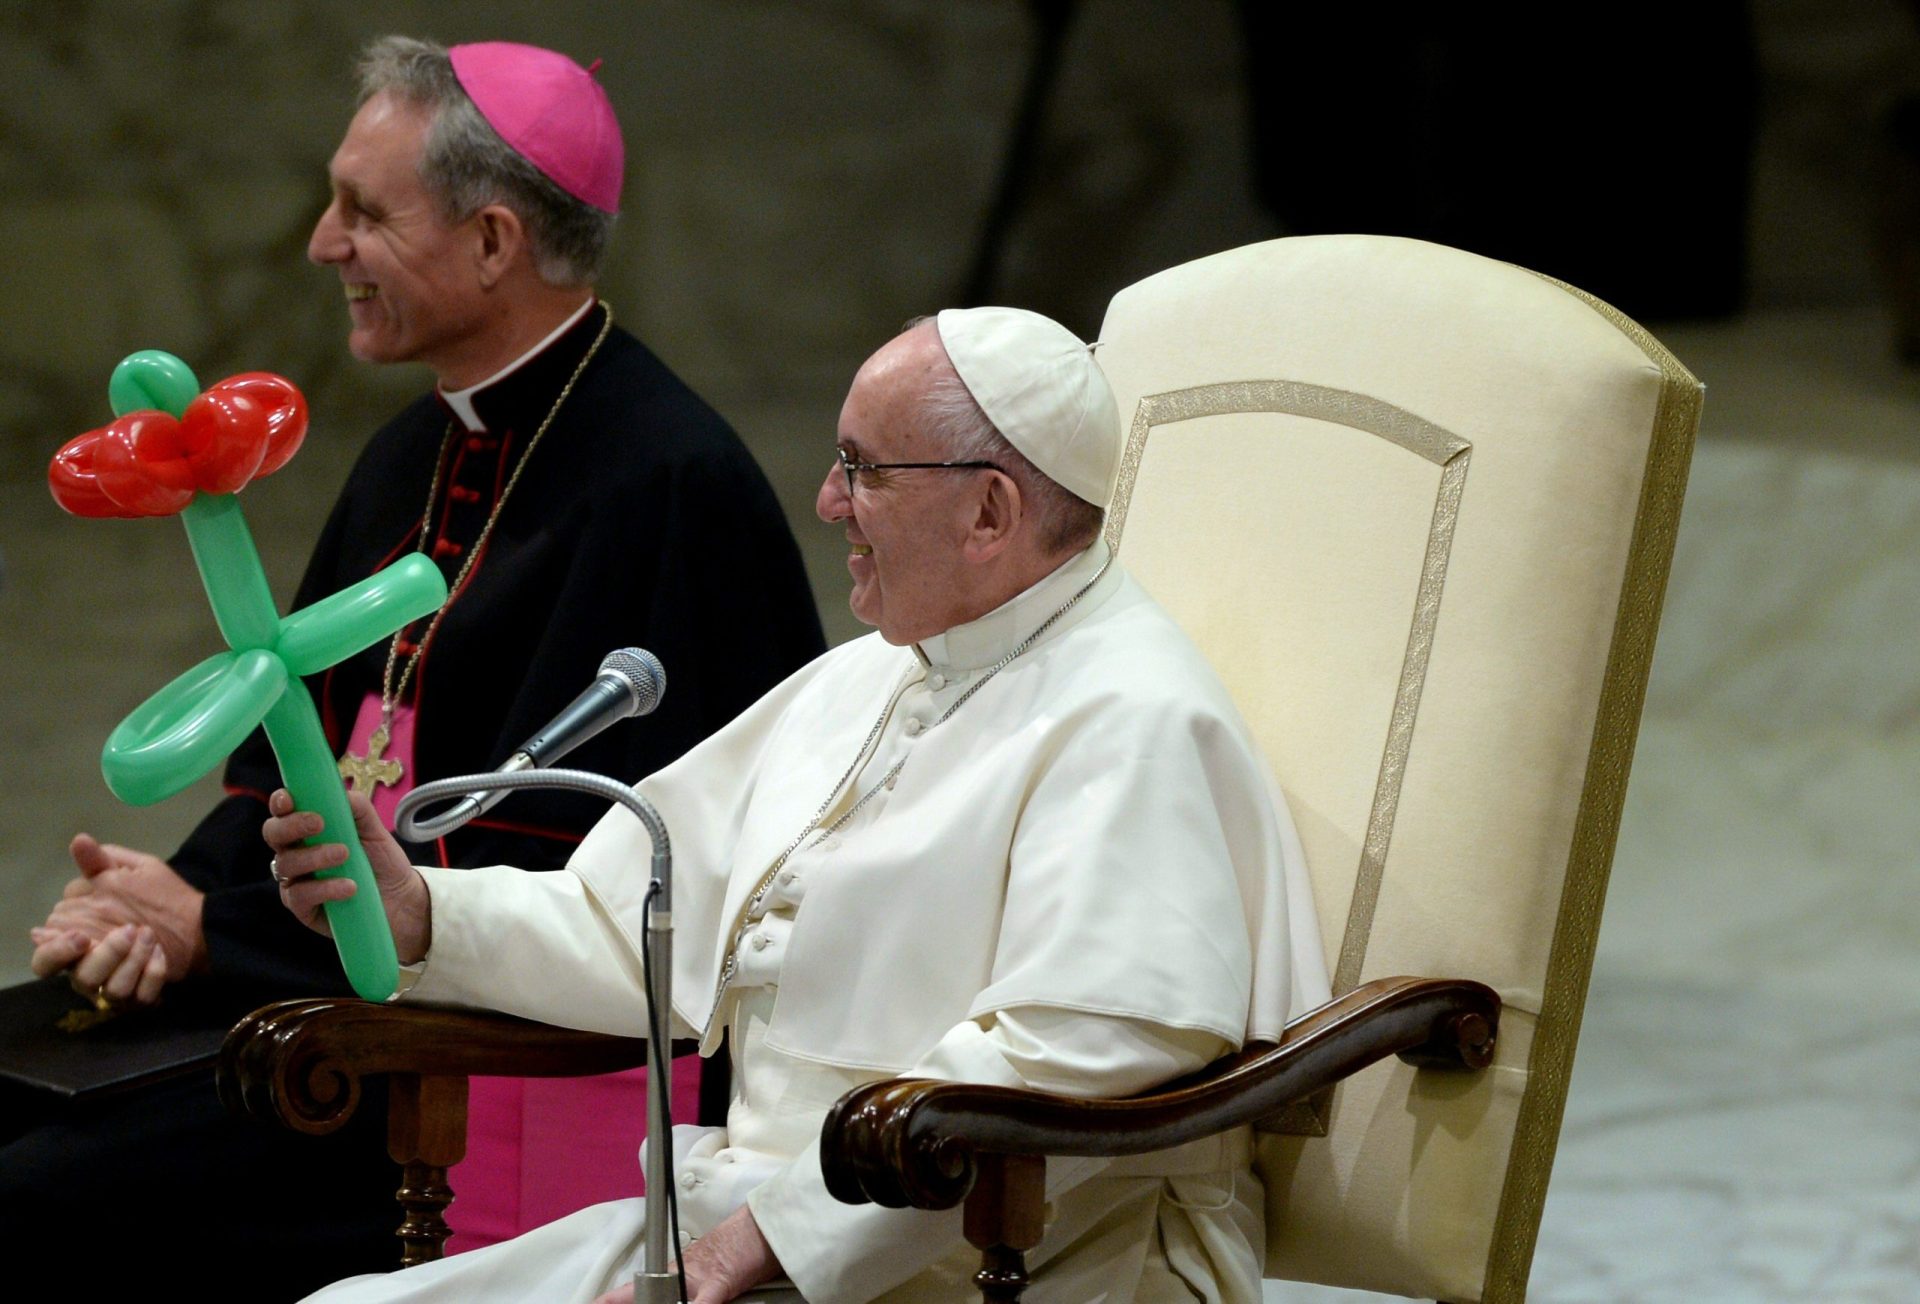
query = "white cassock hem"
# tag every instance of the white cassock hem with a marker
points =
(572, 1260)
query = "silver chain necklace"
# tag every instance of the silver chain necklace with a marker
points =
(732, 965)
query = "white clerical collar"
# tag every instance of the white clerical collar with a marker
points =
(981, 642)
(461, 400)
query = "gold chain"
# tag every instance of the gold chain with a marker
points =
(390, 694)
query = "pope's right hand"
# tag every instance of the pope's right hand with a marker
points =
(402, 891)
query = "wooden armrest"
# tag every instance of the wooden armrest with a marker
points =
(915, 1142)
(300, 1063)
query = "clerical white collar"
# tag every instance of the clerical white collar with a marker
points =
(461, 400)
(981, 642)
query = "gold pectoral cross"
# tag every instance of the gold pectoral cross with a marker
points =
(365, 771)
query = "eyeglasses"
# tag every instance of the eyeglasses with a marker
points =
(848, 465)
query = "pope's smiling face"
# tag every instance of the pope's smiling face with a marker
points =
(906, 529)
(412, 280)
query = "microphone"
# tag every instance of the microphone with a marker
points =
(631, 682)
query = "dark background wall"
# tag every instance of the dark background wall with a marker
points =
(803, 177)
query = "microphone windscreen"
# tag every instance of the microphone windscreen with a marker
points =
(645, 677)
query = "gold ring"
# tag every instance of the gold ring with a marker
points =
(101, 1001)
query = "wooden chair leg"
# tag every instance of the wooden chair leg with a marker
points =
(1004, 1219)
(424, 1196)
(426, 1135)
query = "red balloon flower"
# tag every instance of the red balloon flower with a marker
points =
(147, 463)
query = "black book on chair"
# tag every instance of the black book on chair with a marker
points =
(55, 1046)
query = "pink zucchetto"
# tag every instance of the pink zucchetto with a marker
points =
(551, 111)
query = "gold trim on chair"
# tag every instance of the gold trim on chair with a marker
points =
(1406, 705)
(1597, 821)
(1424, 439)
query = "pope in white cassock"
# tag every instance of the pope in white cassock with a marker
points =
(1020, 836)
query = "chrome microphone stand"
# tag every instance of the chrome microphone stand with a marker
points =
(656, 1282)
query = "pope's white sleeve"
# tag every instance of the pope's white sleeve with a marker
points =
(835, 1251)
(537, 945)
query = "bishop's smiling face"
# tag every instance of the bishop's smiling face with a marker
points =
(905, 529)
(411, 279)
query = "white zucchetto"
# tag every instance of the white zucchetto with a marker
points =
(1039, 385)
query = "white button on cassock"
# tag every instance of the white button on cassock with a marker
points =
(913, 728)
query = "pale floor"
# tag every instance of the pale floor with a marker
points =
(1745, 1116)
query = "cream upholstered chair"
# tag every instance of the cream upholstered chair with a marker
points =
(1417, 507)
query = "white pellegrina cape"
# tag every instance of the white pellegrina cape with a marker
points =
(1091, 834)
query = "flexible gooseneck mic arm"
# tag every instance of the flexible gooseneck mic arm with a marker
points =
(631, 682)
(410, 825)
(656, 1283)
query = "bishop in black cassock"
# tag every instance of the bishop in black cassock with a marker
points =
(641, 520)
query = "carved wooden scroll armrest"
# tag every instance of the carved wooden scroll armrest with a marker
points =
(931, 1145)
(301, 1064)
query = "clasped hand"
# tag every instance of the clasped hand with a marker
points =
(125, 928)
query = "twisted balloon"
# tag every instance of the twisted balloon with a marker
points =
(175, 450)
